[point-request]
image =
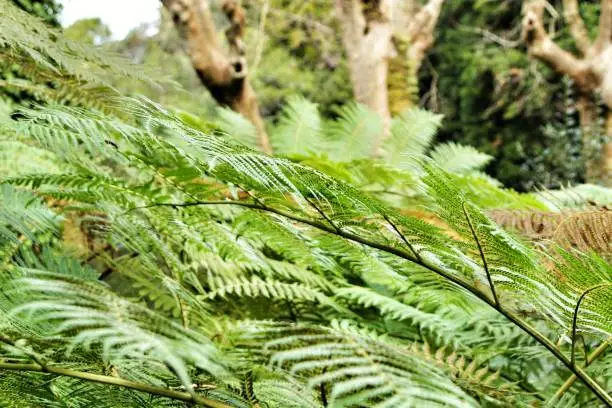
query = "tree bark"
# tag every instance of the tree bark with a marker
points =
(607, 151)
(223, 73)
(372, 31)
(366, 35)
(591, 72)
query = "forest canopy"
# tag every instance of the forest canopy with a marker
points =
(268, 203)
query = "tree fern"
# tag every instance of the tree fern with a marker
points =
(485, 259)
(360, 368)
(300, 129)
(221, 276)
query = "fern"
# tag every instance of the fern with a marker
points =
(300, 129)
(485, 259)
(24, 36)
(354, 132)
(586, 230)
(216, 275)
(459, 159)
(412, 135)
(359, 367)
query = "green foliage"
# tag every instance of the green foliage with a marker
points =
(46, 10)
(172, 220)
(38, 64)
(208, 273)
(299, 129)
(89, 31)
(499, 100)
(289, 40)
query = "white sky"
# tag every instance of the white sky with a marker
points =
(120, 15)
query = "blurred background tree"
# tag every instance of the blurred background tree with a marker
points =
(497, 99)
(478, 74)
(89, 30)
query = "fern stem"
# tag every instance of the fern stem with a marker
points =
(482, 255)
(320, 211)
(572, 379)
(408, 244)
(104, 379)
(575, 318)
(324, 227)
(589, 382)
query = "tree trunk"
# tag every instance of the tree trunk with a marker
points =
(368, 64)
(366, 35)
(385, 42)
(223, 73)
(607, 152)
(591, 73)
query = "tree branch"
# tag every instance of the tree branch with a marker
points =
(425, 19)
(421, 31)
(223, 74)
(366, 36)
(571, 12)
(541, 46)
(351, 19)
(104, 379)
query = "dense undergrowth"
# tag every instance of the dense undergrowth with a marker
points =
(150, 258)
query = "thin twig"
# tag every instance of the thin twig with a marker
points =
(504, 42)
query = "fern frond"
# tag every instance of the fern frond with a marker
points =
(354, 132)
(23, 34)
(360, 367)
(510, 264)
(233, 123)
(412, 133)
(394, 309)
(586, 230)
(23, 215)
(257, 287)
(121, 328)
(457, 159)
(576, 197)
(300, 129)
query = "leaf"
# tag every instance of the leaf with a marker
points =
(459, 159)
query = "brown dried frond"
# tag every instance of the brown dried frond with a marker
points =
(535, 225)
(586, 230)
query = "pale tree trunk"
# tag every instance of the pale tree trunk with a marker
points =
(223, 73)
(366, 35)
(607, 151)
(372, 32)
(591, 71)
